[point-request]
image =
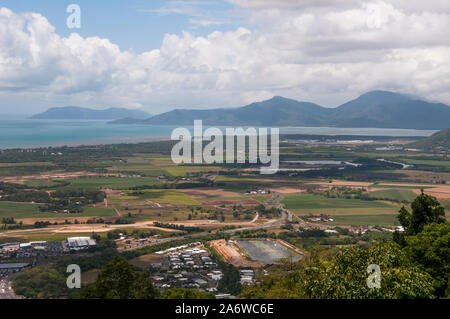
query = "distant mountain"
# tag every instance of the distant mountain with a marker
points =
(440, 139)
(274, 112)
(80, 113)
(377, 109)
(383, 109)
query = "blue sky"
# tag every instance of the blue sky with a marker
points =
(134, 24)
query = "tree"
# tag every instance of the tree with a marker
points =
(344, 276)
(425, 210)
(119, 280)
(182, 293)
(431, 250)
(41, 282)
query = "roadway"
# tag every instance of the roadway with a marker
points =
(6, 291)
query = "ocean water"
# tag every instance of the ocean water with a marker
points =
(27, 133)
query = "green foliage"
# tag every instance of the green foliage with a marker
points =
(182, 293)
(119, 280)
(345, 275)
(187, 229)
(8, 220)
(431, 250)
(425, 210)
(41, 283)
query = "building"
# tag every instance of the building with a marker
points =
(9, 268)
(78, 243)
(10, 247)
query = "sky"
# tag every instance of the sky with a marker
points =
(160, 55)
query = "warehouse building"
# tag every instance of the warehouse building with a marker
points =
(79, 243)
(10, 268)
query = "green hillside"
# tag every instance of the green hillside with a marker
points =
(440, 139)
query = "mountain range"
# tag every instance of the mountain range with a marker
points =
(81, 113)
(375, 109)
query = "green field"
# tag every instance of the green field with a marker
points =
(142, 170)
(305, 201)
(444, 163)
(42, 234)
(365, 220)
(26, 210)
(116, 183)
(394, 194)
(42, 183)
(169, 196)
(18, 210)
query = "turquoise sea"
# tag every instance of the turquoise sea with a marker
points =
(27, 133)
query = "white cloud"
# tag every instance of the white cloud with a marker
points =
(325, 51)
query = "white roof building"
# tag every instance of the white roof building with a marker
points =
(77, 243)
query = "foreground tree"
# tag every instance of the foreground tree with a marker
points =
(425, 210)
(431, 250)
(119, 280)
(41, 283)
(182, 293)
(345, 276)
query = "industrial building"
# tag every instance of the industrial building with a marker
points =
(79, 243)
(10, 268)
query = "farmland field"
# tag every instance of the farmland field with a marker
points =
(26, 210)
(365, 220)
(394, 194)
(304, 203)
(110, 182)
(168, 196)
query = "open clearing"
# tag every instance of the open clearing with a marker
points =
(202, 193)
(287, 190)
(145, 261)
(440, 191)
(56, 175)
(307, 202)
(394, 194)
(233, 254)
(61, 232)
(268, 251)
(168, 196)
(365, 220)
(111, 182)
(22, 211)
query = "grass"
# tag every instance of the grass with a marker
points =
(141, 170)
(418, 186)
(262, 198)
(169, 196)
(307, 201)
(365, 220)
(394, 194)
(443, 163)
(27, 210)
(42, 183)
(176, 171)
(43, 235)
(18, 210)
(116, 183)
